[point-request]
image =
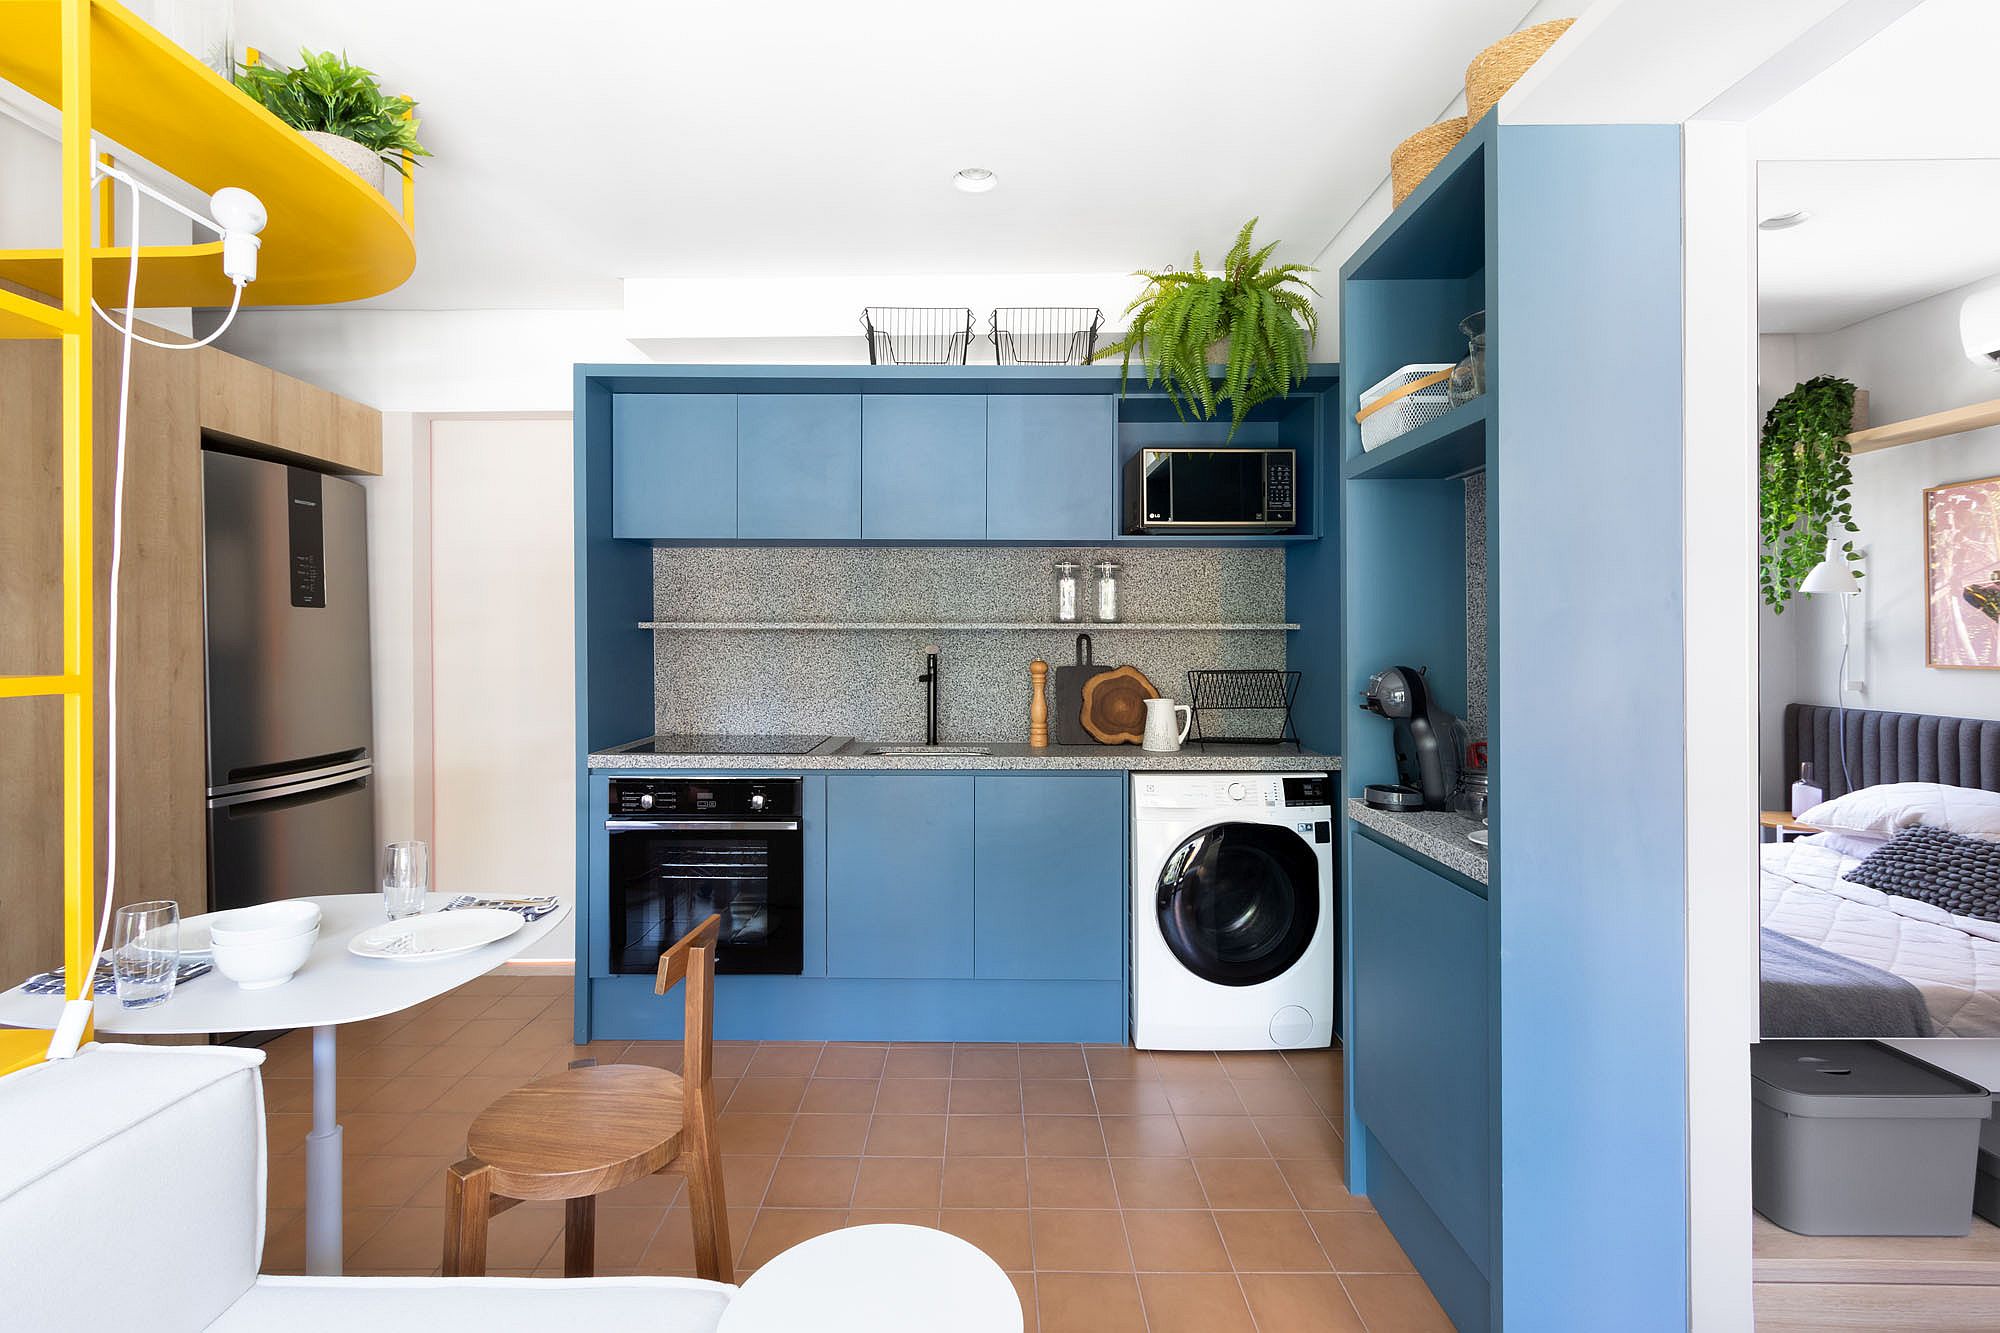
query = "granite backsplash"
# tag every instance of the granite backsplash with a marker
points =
(1475, 604)
(864, 683)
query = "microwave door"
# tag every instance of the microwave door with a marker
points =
(1219, 487)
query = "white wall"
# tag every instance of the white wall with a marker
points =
(399, 611)
(503, 679)
(1910, 362)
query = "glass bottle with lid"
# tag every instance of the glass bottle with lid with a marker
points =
(1069, 591)
(1107, 590)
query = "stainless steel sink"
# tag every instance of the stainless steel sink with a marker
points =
(917, 751)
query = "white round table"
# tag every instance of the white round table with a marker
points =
(885, 1278)
(333, 987)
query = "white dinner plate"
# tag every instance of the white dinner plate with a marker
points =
(195, 944)
(435, 935)
(1478, 837)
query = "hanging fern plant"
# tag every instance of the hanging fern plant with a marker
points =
(1265, 314)
(1805, 479)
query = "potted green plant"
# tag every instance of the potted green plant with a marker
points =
(1804, 480)
(341, 107)
(1260, 319)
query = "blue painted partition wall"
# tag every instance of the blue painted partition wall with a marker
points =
(1586, 563)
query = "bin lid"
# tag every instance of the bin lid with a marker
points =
(1860, 1080)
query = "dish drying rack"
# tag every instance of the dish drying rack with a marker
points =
(1248, 690)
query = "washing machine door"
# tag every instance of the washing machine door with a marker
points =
(1238, 903)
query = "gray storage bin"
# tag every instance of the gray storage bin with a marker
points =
(1854, 1138)
(1986, 1190)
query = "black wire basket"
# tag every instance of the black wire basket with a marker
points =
(1264, 693)
(910, 335)
(1044, 335)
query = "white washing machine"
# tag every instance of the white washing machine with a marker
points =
(1232, 911)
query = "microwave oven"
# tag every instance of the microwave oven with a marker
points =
(1211, 490)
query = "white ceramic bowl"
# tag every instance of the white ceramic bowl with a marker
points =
(263, 963)
(265, 921)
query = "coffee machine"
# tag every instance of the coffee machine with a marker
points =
(1427, 740)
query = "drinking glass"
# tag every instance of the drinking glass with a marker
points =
(406, 877)
(146, 953)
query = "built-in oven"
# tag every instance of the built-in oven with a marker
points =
(684, 849)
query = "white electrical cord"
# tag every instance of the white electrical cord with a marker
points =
(235, 303)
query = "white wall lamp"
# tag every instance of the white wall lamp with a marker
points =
(1834, 576)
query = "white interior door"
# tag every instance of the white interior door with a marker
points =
(503, 664)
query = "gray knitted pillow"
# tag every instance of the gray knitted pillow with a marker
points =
(1931, 865)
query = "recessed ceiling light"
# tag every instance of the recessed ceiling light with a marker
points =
(1784, 221)
(975, 180)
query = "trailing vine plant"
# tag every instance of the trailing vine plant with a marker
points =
(1804, 483)
(1264, 313)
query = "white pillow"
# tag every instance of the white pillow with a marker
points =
(1886, 810)
(1860, 846)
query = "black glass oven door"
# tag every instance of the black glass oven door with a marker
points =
(664, 882)
(1238, 903)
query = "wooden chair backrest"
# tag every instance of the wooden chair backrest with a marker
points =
(692, 959)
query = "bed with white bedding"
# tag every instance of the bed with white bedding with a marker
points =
(1953, 961)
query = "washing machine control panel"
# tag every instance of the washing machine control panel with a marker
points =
(1196, 791)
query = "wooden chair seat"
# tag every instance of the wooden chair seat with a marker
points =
(580, 1132)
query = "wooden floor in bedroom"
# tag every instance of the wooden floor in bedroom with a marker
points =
(1938, 1284)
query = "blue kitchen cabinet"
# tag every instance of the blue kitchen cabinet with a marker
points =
(673, 465)
(798, 465)
(1049, 861)
(1419, 1047)
(1051, 463)
(899, 875)
(923, 466)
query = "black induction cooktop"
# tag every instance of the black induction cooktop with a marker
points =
(685, 743)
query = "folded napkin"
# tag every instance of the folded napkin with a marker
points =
(51, 983)
(531, 909)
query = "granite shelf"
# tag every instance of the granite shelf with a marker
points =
(978, 627)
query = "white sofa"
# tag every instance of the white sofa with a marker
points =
(132, 1196)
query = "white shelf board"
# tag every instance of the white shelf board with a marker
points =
(997, 626)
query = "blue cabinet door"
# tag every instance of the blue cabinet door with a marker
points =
(923, 466)
(1050, 867)
(798, 465)
(1420, 1033)
(1051, 467)
(899, 875)
(673, 465)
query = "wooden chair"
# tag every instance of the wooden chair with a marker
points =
(593, 1128)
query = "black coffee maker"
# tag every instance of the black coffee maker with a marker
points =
(1426, 738)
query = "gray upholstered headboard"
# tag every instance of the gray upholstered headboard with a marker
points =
(1889, 747)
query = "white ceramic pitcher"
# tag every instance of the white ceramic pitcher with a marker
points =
(1160, 733)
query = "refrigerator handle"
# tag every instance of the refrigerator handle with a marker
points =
(265, 784)
(296, 793)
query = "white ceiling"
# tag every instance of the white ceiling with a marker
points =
(581, 144)
(1895, 151)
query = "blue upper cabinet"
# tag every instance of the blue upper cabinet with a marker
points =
(923, 467)
(798, 466)
(673, 465)
(1050, 864)
(899, 875)
(1051, 467)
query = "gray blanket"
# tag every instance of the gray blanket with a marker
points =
(1808, 992)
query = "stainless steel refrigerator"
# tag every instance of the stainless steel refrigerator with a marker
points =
(291, 805)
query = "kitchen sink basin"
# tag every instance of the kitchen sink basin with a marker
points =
(920, 750)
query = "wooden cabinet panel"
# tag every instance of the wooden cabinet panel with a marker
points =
(923, 466)
(899, 875)
(358, 438)
(673, 465)
(798, 465)
(282, 416)
(235, 395)
(1050, 467)
(1050, 869)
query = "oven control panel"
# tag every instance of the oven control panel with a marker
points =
(721, 798)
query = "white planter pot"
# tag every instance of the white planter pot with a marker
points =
(349, 154)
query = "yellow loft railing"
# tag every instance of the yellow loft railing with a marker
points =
(331, 236)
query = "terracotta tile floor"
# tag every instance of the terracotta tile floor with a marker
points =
(1120, 1189)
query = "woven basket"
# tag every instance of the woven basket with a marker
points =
(1501, 65)
(1417, 156)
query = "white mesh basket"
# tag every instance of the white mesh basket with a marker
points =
(1407, 412)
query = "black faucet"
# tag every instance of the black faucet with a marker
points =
(929, 680)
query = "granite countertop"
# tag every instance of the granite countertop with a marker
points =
(1438, 834)
(848, 754)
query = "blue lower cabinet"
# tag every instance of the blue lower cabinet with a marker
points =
(1420, 1042)
(798, 465)
(923, 467)
(1049, 861)
(899, 875)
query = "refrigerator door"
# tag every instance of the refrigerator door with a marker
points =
(285, 579)
(297, 841)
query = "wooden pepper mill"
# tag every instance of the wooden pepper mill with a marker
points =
(1038, 704)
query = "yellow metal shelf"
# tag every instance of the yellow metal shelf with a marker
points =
(19, 1049)
(331, 236)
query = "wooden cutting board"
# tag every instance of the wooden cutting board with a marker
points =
(1069, 695)
(1114, 706)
